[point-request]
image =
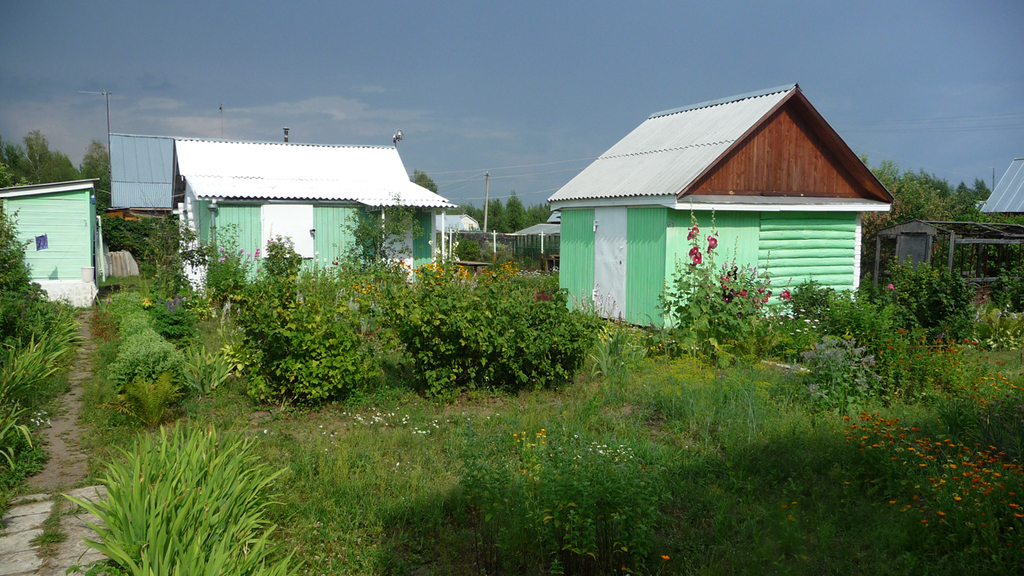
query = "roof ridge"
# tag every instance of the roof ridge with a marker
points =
(257, 142)
(726, 100)
(659, 150)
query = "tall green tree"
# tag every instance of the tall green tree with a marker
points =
(495, 217)
(96, 164)
(43, 165)
(515, 214)
(422, 179)
(537, 214)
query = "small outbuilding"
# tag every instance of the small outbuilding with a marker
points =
(765, 170)
(57, 223)
(309, 193)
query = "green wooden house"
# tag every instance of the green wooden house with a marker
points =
(784, 191)
(309, 193)
(57, 224)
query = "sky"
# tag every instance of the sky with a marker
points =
(530, 91)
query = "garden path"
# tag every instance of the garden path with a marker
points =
(20, 554)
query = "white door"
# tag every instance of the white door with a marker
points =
(293, 221)
(610, 261)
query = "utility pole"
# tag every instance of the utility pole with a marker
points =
(221, 120)
(487, 197)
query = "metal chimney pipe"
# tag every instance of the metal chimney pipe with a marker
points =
(286, 134)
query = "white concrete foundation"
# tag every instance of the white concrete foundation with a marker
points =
(75, 292)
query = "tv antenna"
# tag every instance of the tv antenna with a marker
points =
(397, 137)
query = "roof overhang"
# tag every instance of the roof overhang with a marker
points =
(726, 203)
(34, 189)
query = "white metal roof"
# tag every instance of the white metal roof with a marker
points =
(50, 188)
(671, 149)
(1009, 193)
(370, 175)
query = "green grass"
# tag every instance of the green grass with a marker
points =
(750, 478)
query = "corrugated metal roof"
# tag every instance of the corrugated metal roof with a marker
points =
(670, 149)
(1009, 193)
(542, 228)
(370, 175)
(142, 171)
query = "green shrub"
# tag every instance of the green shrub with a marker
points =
(301, 348)
(230, 268)
(842, 374)
(1000, 328)
(1008, 290)
(173, 320)
(25, 311)
(491, 333)
(145, 355)
(933, 299)
(217, 523)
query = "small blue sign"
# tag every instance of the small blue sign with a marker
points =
(41, 243)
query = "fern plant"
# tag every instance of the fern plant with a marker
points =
(148, 401)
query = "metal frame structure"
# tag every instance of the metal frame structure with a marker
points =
(975, 241)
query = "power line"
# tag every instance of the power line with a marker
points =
(518, 166)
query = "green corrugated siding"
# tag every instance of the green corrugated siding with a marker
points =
(797, 247)
(66, 218)
(576, 266)
(241, 221)
(202, 216)
(645, 264)
(421, 252)
(738, 237)
(333, 236)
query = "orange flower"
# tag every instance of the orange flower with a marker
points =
(664, 556)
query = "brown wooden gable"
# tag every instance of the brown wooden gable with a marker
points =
(792, 151)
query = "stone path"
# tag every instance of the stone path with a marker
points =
(65, 468)
(67, 464)
(24, 522)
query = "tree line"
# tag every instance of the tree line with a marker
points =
(33, 162)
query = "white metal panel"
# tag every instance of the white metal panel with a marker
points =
(1008, 195)
(293, 221)
(667, 152)
(371, 175)
(610, 261)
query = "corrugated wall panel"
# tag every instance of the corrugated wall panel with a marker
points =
(421, 248)
(66, 219)
(576, 266)
(333, 231)
(645, 260)
(738, 237)
(798, 247)
(241, 222)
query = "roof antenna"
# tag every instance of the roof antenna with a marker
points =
(397, 138)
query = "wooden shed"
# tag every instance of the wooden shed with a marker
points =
(783, 189)
(57, 224)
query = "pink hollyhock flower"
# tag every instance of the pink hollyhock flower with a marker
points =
(890, 287)
(693, 233)
(712, 243)
(694, 252)
(786, 295)
(743, 293)
(697, 258)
